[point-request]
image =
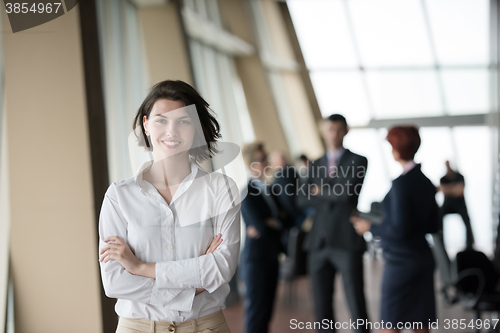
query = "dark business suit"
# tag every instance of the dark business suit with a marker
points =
(333, 244)
(409, 213)
(286, 181)
(285, 188)
(259, 260)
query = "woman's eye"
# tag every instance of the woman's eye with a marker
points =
(161, 121)
(184, 122)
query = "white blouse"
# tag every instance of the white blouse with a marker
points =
(176, 237)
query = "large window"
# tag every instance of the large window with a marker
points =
(212, 50)
(125, 82)
(376, 60)
(396, 59)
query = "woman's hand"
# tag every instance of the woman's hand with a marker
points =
(361, 225)
(215, 244)
(121, 252)
(211, 249)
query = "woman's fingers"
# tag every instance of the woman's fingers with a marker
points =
(117, 242)
(107, 247)
(117, 239)
(211, 244)
(109, 252)
(215, 240)
(108, 257)
(214, 244)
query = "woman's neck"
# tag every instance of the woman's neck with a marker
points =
(403, 163)
(170, 170)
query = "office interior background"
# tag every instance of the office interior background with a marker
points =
(270, 70)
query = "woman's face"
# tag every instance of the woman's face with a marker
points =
(396, 155)
(170, 128)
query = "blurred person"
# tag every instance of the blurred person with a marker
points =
(452, 185)
(410, 212)
(277, 161)
(284, 187)
(333, 186)
(302, 165)
(260, 265)
(168, 265)
(304, 159)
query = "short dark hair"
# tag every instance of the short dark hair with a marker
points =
(405, 140)
(176, 90)
(338, 117)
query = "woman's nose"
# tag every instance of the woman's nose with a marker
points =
(171, 129)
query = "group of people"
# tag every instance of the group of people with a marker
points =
(169, 236)
(335, 243)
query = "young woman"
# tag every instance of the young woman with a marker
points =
(409, 213)
(170, 235)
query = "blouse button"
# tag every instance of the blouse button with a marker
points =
(168, 212)
(170, 247)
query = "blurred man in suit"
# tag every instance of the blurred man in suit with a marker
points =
(452, 185)
(286, 180)
(263, 218)
(332, 188)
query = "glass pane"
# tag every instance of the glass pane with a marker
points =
(391, 32)
(404, 94)
(368, 142)
(394, 169)
(466, 91)
(201, 8)
(460, 30)
(213, 12)
(475, 162)
(189, 4)
(436, 148)
(323, 33)
(341, 92)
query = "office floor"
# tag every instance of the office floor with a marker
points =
(301, 308)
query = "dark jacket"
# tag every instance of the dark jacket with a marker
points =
(335, 204)
(285, 183)
(409, 212)
(255, 211)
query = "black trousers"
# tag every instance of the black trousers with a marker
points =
(459, 207)
(323, 264)
(261, 279)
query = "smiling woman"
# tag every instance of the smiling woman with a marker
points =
(171, 95)
(169, 127)
(167, 263)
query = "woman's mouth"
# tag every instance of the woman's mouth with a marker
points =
(171, 144)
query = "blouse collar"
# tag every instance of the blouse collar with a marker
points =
(410, 165)
(138, 176)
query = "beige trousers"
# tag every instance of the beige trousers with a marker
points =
(215, 322)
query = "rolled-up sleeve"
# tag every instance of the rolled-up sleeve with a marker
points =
(210, 271)
(117, 281)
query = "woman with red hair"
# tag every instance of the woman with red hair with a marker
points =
(409, 213)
